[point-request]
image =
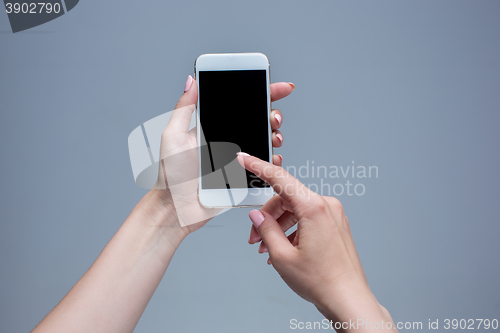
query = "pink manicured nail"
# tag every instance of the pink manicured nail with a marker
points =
(240, 158)
(189, 82)
(263, 248)
(292, 85)
(269, 261)
(278, 118)
(281, 158)
(280, 137)
(256, 217)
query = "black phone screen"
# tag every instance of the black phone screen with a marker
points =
(233, 109)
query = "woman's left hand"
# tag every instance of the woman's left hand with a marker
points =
(178, 172)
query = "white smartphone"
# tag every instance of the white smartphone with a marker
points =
(234, 105)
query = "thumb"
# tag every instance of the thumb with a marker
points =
(271, 232)
(190, 96)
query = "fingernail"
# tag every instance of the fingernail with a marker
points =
(189, 82)
(240, 158)
(281, 158)
(292, 85)
(278, 118)
(256, 217)
(263, 248)
(269, 261)
(280, 137)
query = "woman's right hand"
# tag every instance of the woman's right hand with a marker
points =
(319, 260)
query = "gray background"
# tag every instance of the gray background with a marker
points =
(412, 87)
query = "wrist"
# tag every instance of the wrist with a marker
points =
(354, 303)
(157, 212)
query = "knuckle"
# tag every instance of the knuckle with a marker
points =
(335, 204)
(314, 199)
(279, 255)
(265, 228)
(318, 204)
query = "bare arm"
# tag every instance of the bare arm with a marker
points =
(114, 292)
(112, 295)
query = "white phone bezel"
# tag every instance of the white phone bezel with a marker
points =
(220, 198)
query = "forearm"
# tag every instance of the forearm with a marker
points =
(112, 295)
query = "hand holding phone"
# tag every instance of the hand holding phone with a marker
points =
(179, 165)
